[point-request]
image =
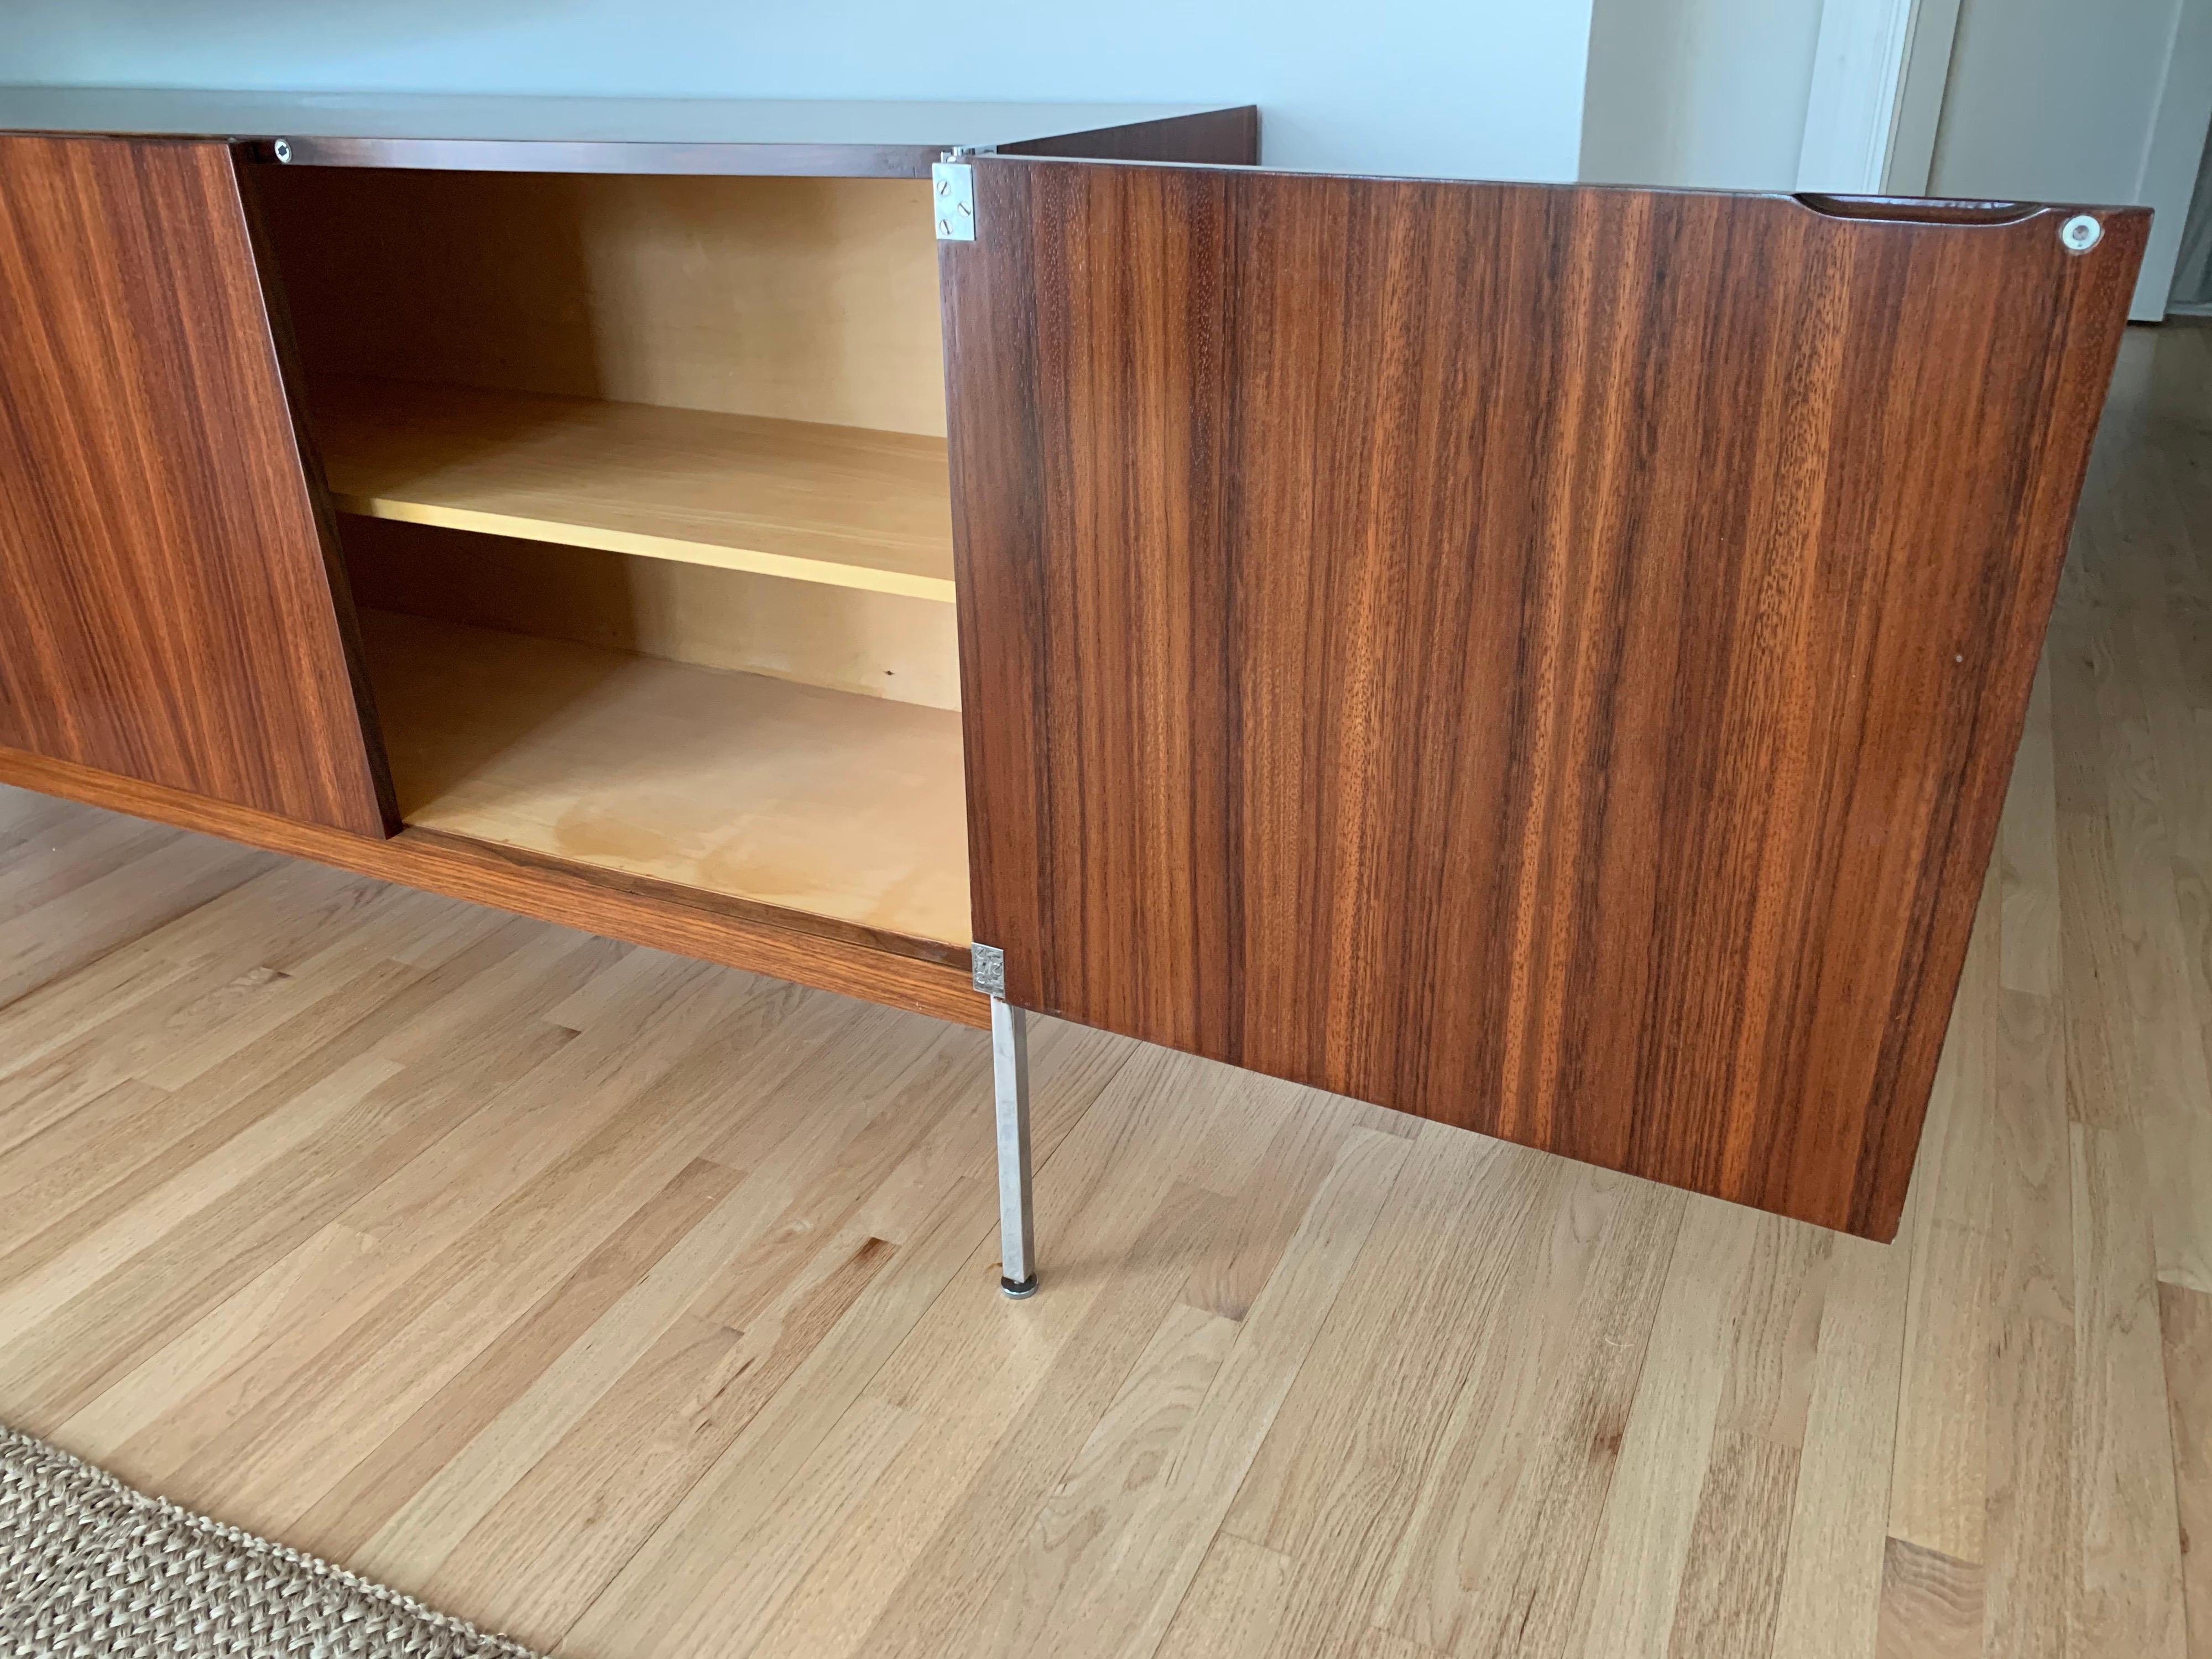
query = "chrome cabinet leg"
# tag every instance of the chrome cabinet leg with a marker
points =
(1010, 1076)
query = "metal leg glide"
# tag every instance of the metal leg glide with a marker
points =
(1010, 1072)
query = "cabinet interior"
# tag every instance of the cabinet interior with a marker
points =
(642, 494)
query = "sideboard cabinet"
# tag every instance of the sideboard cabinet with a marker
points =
(1546, 659)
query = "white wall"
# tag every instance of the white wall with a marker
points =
(2081, 101)
(1474, 88)
(1701, 92)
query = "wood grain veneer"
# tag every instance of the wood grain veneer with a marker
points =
(602, 902)
(1547, 659)
(166, 606)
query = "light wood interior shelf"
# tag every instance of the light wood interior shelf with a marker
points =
(851, 507)
(825, 802)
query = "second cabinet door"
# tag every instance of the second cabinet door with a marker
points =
(1545, 658)
(166, 611)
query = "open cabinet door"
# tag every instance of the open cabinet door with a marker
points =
(167, 607)
(1544, 659)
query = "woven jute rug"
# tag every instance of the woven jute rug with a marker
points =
(91, 1569)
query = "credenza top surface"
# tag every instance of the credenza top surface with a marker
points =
(366, 127)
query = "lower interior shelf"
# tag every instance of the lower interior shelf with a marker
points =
(840, 806)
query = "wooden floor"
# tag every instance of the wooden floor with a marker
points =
(641, 1308)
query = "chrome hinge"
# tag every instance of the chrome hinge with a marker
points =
(989, 966)
(952, 189)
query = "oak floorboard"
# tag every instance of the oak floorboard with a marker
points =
(2123, 1452)
(524, 1423)
(2032, 1532)
(1516, 1492)
(1931, 1605)
(30, 876)
(288, 1024)
(1939, 1472)
(1114, 1582)
(591, 1501)
(943, 1585)
(278, 1461)
(211, 1243)
(31, 821)
(1234, 1606)
(396, 1223)
(678, 1591)
(1732, 1578)
(2185, 1326)
(1832, 1579)
(402, 1226)
(1098, 1507)
(79, 926)
(1383, 1388)
(441, 1428)
(1634, 1578)
(2173, 1087)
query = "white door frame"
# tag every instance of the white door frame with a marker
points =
(1878, 72)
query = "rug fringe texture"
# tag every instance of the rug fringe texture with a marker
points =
(90, 1569)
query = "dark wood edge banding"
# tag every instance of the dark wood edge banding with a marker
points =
(574, 895)
(752, 913)
(561, 156)
(1220, 137)
(285, 355)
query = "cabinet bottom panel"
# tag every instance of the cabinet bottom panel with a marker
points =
(845, 808)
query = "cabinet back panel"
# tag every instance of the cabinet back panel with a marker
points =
(798, 299)
(846, 639)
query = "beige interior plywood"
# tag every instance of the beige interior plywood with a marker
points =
(841, 806)
(832, 504)
(795, 299)
(845, 639)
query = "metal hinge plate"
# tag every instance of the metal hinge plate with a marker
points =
(952, 187)
(988, 964)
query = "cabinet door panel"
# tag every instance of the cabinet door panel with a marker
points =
(166, 608)
(1544, 659)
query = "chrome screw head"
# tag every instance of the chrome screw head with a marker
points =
(2080, 234)
(284, 150)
